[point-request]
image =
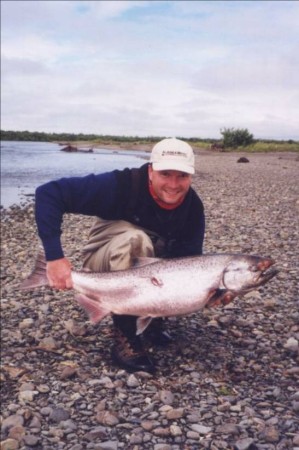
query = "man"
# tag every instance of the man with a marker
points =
(150, 211)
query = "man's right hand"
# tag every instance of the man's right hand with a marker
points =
(59, 273)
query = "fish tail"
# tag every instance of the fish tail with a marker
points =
(38, 276)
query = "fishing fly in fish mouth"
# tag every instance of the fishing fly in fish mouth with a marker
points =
(143, 258)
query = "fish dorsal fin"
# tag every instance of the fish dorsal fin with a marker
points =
(144, 261)
(142, 323)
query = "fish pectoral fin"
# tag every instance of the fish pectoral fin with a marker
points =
(93, 308)
(220, 297)
(142, 323)
(142, 261)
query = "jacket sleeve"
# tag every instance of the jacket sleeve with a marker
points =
(93, 195)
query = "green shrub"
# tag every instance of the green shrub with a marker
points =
(236, 138)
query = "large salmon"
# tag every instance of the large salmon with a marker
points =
(163, 287)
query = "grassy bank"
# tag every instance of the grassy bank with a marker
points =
(145, 145)
(261, 146)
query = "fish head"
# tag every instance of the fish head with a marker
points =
(245, 273)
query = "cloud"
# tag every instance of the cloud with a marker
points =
(150, 68)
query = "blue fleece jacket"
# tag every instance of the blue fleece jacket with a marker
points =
(107, 196)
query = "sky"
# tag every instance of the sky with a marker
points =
(151, 68)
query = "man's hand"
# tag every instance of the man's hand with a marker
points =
(59, 274)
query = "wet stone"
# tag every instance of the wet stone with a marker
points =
(31, 440)
(35, 423)
(175, 430)
(132, 381)
(175, 413)
(292, 345)
(43, 388)
(59, 414)
(244, 444)
(96, 433)
(10, 444)
(228, 428)
(107, 445)
(201, 429)
(12, 421)
(27, 387)
(46, 411)
(162, 447)
(27, 396)
(107, 418)
(167, 397)
(270, 434)
(17, 432)
(296, 440)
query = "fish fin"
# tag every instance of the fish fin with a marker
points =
(38, 276)
(93, 308)
(142, 323)
(142, 261)
(220, 297)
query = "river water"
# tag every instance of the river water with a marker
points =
(26, 165)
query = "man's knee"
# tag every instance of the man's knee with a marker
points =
(120, 251)
(128, 246)
(139, 243)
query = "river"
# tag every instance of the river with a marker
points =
(26, 165)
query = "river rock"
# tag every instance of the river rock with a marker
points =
(12, 421)
(292, 345)
(59, 414)
(9, 444)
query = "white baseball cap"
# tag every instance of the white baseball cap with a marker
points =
(173, 154)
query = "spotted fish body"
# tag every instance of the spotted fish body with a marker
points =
(164, 287)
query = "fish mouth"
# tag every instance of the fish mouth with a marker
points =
(266, 275)
(264, 264)
(266, 270)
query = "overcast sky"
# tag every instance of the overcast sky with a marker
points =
(151, 68)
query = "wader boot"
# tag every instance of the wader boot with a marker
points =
(156, 334)
(128, 351)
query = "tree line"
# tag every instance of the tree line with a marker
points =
(231, 138)
(8, 135)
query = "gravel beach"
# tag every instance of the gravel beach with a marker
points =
(229, 381)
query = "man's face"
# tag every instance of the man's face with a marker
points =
(170, 186)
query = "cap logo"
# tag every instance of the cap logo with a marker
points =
(173, 153)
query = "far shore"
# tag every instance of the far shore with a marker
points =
(198, 147)
(109, 146)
